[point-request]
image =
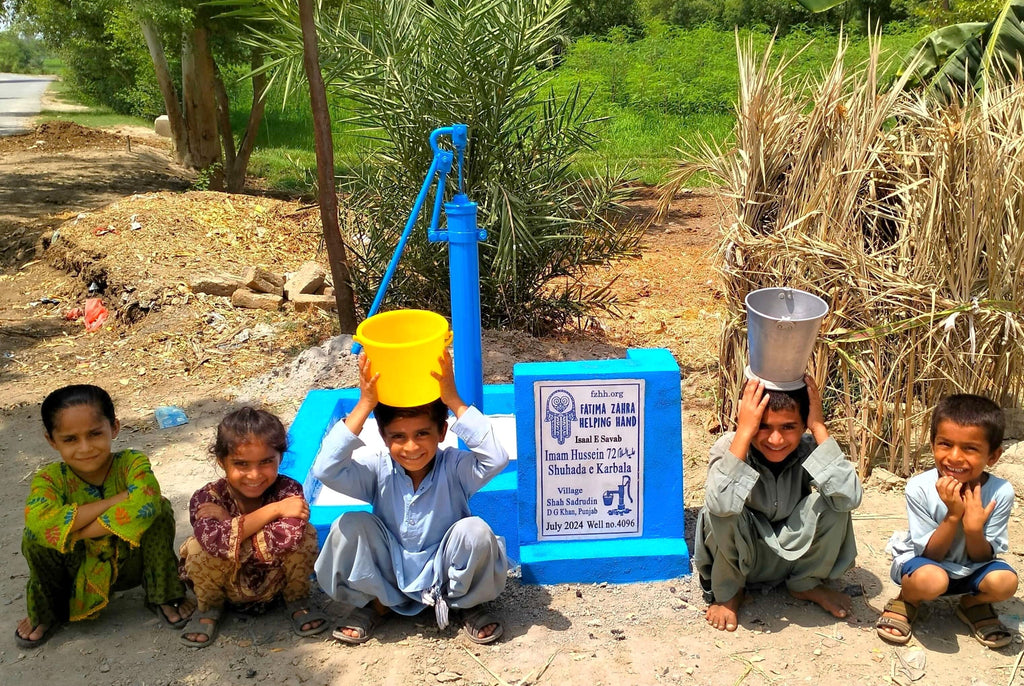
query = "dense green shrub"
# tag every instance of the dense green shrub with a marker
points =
(105, 58)
(690, 13)
(596, 17)
(784, 15)
(691, 71)
(19, 54)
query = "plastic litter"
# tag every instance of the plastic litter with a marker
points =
(95, 314)
(135, 223)
(104, 230)
(170, 415)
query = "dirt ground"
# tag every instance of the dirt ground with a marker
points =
(166, 345)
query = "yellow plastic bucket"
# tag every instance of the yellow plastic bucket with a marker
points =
(403, 346)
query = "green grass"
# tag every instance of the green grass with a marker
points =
(285, 156)
(654, 95)
(96, 116)
(674, 87)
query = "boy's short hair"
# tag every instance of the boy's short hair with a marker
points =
(967, 409)
(790, 400)
(436, 410)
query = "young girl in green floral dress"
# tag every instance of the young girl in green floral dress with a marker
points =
(94, 522)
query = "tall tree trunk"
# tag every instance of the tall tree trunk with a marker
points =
(343, 296)
(235, 163)
(167, 89)
(203, 145)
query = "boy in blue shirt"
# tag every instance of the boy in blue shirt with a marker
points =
(958, 516)
(420, 546)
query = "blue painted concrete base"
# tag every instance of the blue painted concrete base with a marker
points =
(615, 561)
(507, 502)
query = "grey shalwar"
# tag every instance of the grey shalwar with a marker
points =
(757, 527)
(416, 548)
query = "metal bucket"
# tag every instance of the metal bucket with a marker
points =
(782, 326)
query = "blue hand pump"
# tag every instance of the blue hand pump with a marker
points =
(462, 236)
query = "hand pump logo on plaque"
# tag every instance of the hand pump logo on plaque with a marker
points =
(590, 459)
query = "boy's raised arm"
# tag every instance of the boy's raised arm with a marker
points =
(334, 466)
(367, 396)
(753, 402)
(449, 393)
(489, 457)
(834, 476)
(831, 473)
(730, 479)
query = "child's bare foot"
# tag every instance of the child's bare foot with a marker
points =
(835, 603)
(31, 633)
(725, 616)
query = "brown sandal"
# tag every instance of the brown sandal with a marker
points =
(985, 625)
(897, 606)
(364, 621)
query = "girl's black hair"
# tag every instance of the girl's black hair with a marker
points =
(245, 425)
(72, 396)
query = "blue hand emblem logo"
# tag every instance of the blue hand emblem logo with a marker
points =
(561, 412)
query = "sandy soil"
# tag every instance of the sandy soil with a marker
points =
(195, 352)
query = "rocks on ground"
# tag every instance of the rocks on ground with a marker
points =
(261, 289)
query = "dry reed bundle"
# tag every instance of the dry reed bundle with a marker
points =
(905, 215)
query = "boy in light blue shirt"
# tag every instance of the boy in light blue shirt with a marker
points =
(958, 515)
(420, 546)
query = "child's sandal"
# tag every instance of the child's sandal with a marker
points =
(985, 625)
(300, 613)
(897, 606)
(363, 621)
(473, 622)
(180, 606)
(28, 643)
(196, 625)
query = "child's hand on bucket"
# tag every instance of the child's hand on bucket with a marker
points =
(752, 404)
(449, 394)
(367, 396)
(367, 382)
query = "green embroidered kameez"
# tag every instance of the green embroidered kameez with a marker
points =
(73, 580)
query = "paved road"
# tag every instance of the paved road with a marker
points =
(20, 101)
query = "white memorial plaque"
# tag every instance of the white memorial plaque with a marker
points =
(589, 459)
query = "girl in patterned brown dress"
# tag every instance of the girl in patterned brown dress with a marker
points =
(253, 541)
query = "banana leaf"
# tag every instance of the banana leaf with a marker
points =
(955, 56)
